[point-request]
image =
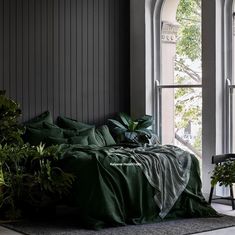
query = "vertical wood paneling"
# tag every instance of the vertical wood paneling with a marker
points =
(25, 58)
(50, 63)
(32, 86)
(68, 56)
(79, 56)
(44, 58)
(73, 64)
(38, 55)
(1, 42)
(96, 77)
(123, 58)
(19, 52)
(56, 88)
(84, 60)
(106, 58)
(116, 70)
(90, 57)
(61, 57)
(101, 60)
(112, 55)
(12, 70)
(6, 59)
(67, 14)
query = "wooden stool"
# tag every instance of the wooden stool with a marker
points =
(219, 159)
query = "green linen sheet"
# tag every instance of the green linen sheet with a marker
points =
(122, 185)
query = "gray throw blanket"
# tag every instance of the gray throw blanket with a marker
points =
(167, 170)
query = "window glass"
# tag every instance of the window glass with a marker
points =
(232, 90)
(181, 107)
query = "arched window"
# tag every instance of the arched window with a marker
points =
(156, 85)
(178, 84)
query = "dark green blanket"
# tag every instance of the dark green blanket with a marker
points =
(118, 186)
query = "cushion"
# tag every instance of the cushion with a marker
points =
(56, 141)
(38, 121)
(100, 139)
(83, 140)
(68, 123)
(50, 126)
(69, 133)
(37, 135)
(88, 136)
(103, 136)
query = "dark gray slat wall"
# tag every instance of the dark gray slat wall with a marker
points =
(68, 56)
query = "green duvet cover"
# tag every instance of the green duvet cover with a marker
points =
(121, 185)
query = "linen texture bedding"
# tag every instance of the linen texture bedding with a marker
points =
(121, 185)
(125, 184)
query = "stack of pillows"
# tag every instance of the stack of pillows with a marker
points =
(41, 129)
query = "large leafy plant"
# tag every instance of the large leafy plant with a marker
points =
(224, 174)
(30, 177)
(133, 130)
(10, 130)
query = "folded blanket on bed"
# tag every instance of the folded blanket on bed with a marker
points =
(167, 170)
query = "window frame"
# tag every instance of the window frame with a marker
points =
(145, 69)
(215, 70)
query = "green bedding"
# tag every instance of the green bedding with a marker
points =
(114, 185)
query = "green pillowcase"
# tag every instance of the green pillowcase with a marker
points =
(56, 141)
(37, 135)
(104, 137)
(86, 137)
(100, 139)
(42, 129)
(38, 121)
(69, 133)
(68, 123)
(83, 140)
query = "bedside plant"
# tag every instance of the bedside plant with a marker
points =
(224, 174)
(10, 130)
(31, 177)
(133, 131)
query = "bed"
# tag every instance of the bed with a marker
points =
(122, 184)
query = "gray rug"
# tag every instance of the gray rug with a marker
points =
(179, 227)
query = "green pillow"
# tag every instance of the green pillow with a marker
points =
(50, 126)
(68, 123)
(86, 137)
(37, 135)
(100, 138)
(69, 133)
(103, 136)
(83, 140)
(38, 121)
(56, 141)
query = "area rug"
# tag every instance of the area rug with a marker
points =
(173, 227)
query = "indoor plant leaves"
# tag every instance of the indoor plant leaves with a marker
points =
(134, 131)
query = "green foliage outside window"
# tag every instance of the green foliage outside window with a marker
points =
(188, 52)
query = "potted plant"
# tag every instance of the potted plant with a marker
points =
(224, 174)
(131, 130)
(10, 129)
(30, 176)
(31, 179)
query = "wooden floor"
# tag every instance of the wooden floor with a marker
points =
(227, 210)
